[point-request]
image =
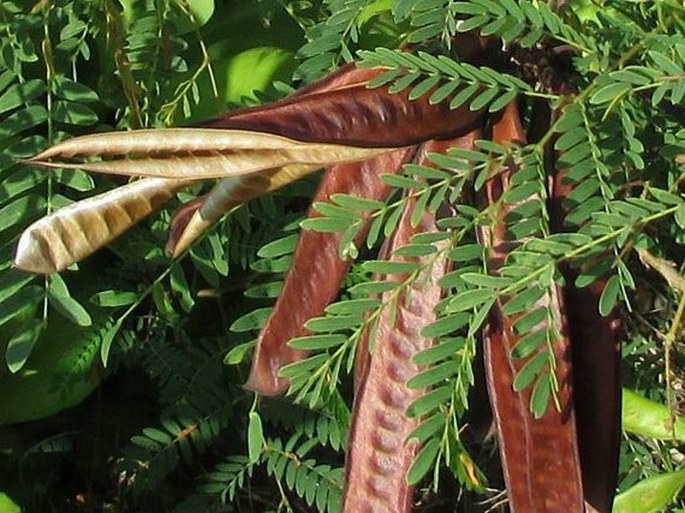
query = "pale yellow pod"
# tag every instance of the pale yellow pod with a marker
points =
(250, 164)
(198, 153)
(230, 193)
(70, 234)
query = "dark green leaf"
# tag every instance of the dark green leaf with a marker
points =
(21, 94)
(389, 267)
(74, 91)
(295, 369)
(466, 253)
(238, 353)
(445, 348)
(326, 324)
(486, 281)
(529, 344)
(480, 316)
(484, 98)
(356, 203)
(21, 344)
(373, 287)
(354, 306)
(610, 295)
(502, 101)
(251, 321)
(433, 376)
(464, 95)
(113, 298)
(445, 325)
(539, 399)
(326, 224)
(284, 246)
(107, 338)
(523, 300)
(530, 320)
(73, 113)
(429, 427)
(401, 181)
(470, 299)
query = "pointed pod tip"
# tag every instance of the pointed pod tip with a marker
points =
(180, 242)
(40, 160)
(267, 386)
(31, 255)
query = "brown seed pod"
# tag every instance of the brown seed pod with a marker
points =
(379, 454)
(192, 220)
(596, 353)
(317, 272)
(539, 456)
(355, 115)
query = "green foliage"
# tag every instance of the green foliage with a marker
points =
(69, 67)
(445, 79)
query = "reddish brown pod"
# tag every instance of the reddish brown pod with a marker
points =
(355, 115)
(379, 452)
(596, 354)
(317, 272)
(539, 456)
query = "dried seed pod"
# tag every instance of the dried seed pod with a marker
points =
(345, 76)
(195, 153)
(305, 131)
(72, 233)
(59, 240)
(355, 115)
(317, 272)
(596, 352)
(194, 219)
(379, 454)
(539, 456)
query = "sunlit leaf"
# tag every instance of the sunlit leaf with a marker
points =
(651, 494)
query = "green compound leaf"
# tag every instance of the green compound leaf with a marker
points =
(610, 295)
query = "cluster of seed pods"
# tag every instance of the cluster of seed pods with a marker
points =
(564, 461)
